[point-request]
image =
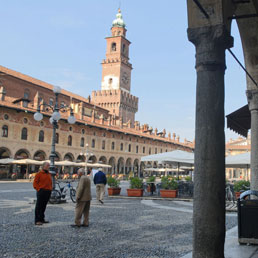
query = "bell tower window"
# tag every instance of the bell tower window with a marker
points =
(113, 46)
(110, 81)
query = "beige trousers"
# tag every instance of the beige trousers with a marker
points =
(100, 191)
(82, 208)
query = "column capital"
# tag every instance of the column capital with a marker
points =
(252, 98)
(211, 43)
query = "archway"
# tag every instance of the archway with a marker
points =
(136, 167)
(22, 154)
(128, 166)
(22, 169)
(120, 166)
(69, 156)
(80, 158)
(5, 153)
(112, 163)
(103, 160)
(92, 159)
(39, 155)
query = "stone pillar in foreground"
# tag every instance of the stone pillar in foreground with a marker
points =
(209, 174)
(252, 97)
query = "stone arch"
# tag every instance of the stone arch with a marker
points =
(69, 156)
(103, 160)
(136, 166)
(58, 156)
(5, 153)
(92, 159)
(112, 163)
(80, 158)
(39, 155)
(128, 166)
(121, 165)
(22, 154)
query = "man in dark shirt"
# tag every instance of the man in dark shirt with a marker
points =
(100, 180)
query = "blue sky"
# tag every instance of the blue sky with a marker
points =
(62, 42)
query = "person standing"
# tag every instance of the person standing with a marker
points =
(83, 198)
(100, 180)
(43, 185)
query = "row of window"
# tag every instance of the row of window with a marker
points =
(41, 138)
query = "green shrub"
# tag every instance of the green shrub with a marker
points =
(136, 183)
(188, 179)
(113, 182)
(151, 179)
(240, 185)
(168, 184)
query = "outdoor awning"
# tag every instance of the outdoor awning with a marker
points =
(176, 157)
(240, 121)
(239, 161)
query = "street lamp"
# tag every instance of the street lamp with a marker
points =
(56, 116)
(87, 155)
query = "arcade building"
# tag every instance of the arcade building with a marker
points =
(105, 122)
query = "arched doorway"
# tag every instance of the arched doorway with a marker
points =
(21, 170)
(136, 167)
(4, 153)
(69, 156)
(121, 166)
(40, 155)
(92, 159)
(22, 154)
(80, 158)
(103, 160)
(112, 163)
(128, 166)
(6, 169)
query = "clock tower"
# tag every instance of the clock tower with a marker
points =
(116, 75)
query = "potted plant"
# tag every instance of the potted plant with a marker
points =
(113, 184)
(136, 187)
(240, 185)
(168, 188)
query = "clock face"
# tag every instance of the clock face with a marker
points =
(125, 78)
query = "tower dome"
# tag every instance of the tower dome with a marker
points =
(119, 22)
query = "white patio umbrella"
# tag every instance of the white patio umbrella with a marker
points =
(239, 161)
(176, 157)
(6, 161)
(26, 162)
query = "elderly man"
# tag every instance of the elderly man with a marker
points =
(43, 185)
(100, 180)
(83, 198)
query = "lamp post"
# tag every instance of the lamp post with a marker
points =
(87, 155)
(54, 121)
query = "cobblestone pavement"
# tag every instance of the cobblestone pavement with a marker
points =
(119, 228)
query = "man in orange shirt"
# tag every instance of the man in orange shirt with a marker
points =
(43, 185)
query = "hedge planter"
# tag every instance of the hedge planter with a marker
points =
(114, 191)
(135, 192)
(168, 193)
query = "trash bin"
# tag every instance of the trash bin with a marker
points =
(247, 218)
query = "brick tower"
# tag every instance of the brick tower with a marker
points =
(116, 75)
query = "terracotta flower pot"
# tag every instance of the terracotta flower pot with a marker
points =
(168, 193)
(237, 194)
(135, 192)
(114, 191)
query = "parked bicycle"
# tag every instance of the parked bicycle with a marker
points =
(60, 192)
(230, 193)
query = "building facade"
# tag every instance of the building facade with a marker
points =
(105, 123)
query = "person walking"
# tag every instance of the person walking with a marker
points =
(100, 180)
(43, 185)
(83, 198)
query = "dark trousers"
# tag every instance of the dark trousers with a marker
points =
(41, 204)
